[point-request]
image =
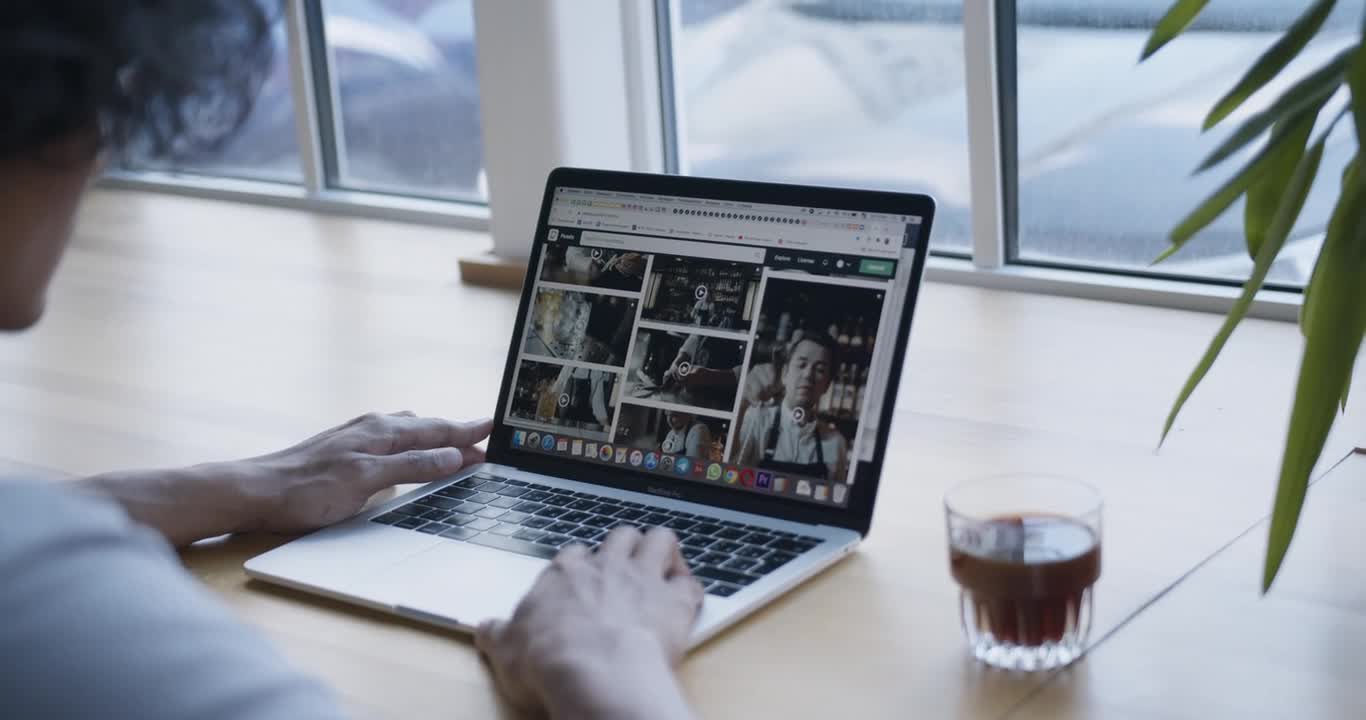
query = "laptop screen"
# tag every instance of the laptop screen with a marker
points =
(735, 344)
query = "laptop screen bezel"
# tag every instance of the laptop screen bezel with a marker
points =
(857, 514)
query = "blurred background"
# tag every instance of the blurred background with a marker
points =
(866, 93)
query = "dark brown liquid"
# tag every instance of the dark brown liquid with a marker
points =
(1026, 574)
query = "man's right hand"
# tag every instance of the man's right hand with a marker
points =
(762, 384)
(599, 633)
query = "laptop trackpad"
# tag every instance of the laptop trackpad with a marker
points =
(458, 584)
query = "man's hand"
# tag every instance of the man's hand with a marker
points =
(762, 384)
(599, 633)
(330, 476)
(320, 481)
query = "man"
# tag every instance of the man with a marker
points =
(691, 379)
(787, 436)
(687, 435)
(704, 310)
(623, 272)
(99, 618)
(589, 395)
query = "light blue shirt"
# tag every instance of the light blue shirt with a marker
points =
(99, 620)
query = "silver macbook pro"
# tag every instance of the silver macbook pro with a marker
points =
(716, 357)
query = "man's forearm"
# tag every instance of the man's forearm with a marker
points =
(643, 688)
(184, 505)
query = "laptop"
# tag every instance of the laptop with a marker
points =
(717, 357)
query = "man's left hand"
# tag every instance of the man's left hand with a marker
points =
(330, 476)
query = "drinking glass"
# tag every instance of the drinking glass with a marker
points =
(1025, 552)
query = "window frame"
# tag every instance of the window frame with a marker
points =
(1005, 33)
(634, 126)
(313, 93)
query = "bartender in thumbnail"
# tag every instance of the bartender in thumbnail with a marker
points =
(583, 396)
(786, 436)
(687, 436)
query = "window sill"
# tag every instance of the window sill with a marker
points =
(1178, 294)
(338, 202)
(489, 270)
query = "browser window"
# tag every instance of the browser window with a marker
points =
(728, 343)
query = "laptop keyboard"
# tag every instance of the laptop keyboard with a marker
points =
(537, 520)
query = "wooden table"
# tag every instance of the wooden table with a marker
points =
(182, 330)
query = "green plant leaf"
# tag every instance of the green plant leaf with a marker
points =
(1234, 187)
(1356, 82)
(1333, 338)
(1264, 194)
(1307, 304)
(1334, 326)
(1179, 17)
(1312, 91)
(1287, 211)
(1272, 62)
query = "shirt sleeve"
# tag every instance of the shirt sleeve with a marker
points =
(837, 457)
(599, 392)
(750, 430)
(108, 624)
(698, 440)
(690, 346)
(561, 381)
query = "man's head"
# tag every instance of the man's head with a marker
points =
(79, 79)
(807, 372)
(678, 420)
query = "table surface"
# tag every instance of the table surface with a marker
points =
(182, 330)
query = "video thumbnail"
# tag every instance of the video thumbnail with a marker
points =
(573, 325)
(671, 432)
(685, 369)
(710, 293)
(565, 396)
(594, 267)
(804, 390)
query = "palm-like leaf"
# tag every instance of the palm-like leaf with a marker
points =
(1175, 22)
(1273, 61)
(1305, 167)
(1311, 91)
(1333, 338)
(1286, 144)
(1276, 183)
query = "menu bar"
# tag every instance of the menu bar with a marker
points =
(665, 203)
(822, 229)
(811, 262)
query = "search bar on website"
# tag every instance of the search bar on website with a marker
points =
(665, 246)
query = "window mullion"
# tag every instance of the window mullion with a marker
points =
(644, 85)
(305, 109)
(985, 166)
(554, 90)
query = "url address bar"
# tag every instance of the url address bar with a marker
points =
(637, 243)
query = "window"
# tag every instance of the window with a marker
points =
(404, 97)
(266, 147)
(1107, 145)
(1081, 156)
(868, 94)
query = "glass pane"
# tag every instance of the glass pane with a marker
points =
(266, 147)
(1107, 146)
(406, 96)
(864, 93)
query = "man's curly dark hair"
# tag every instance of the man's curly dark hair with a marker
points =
(159, 77)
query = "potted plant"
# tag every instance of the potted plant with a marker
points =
(1275, 181)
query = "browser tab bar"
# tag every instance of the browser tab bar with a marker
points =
(826, 229)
